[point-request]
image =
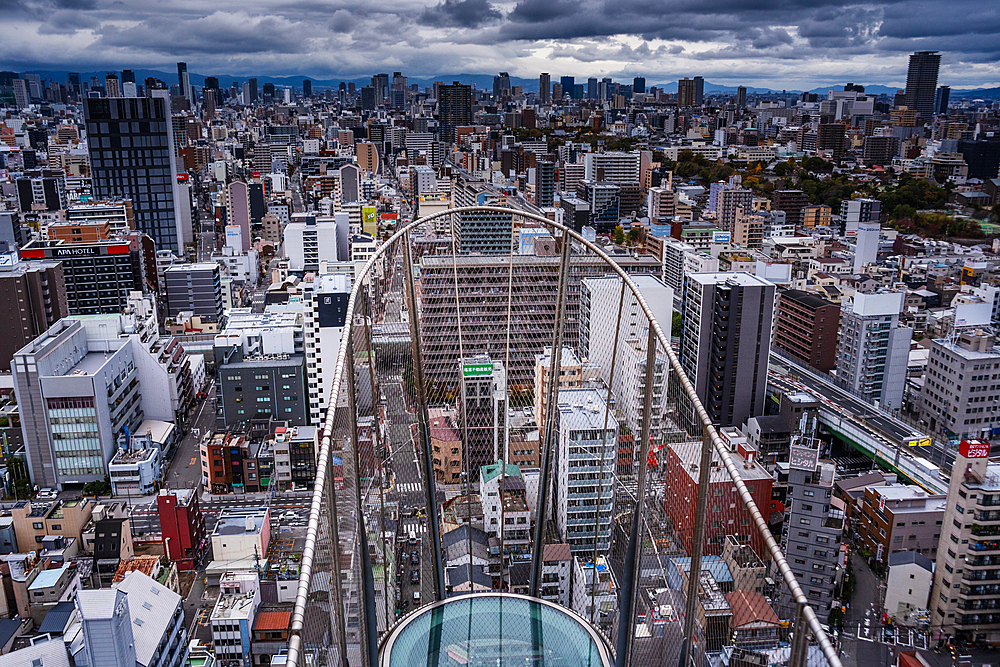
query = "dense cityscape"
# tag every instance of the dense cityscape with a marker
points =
(373, 371)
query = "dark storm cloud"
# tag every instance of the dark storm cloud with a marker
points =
(461, 14)
(214, 34)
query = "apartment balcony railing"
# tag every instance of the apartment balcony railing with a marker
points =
(367, 497)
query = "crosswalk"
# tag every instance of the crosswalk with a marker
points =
(409, 487)
(419, 527)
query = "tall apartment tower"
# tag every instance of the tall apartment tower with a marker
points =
(726, 342)
(454, 109)
(545, 87)
(873, 349)
(131, 142)
(965, 578)
(32, 298)
(545, 183)
(685, 93)
(812, 529)
(699, 91)
(921, 83)
(965, 406)
(853, 212)
(741, 97)
(325, 317)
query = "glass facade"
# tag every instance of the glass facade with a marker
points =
(499, 630)
(75, 435)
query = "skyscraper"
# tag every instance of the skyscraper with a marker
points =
(112, 86)
(741, 97)
(639, 84)
(725, 342)
(545, 87)
(545, 182)
(131, 156)
(307, 88)
(128, 76)
(941, 100)
(501, 86)
(253, 91)
(454, 109)
(567, 83)
(699, 91)
(591, 88)
(685, 92)
(921, 82)
(184, 81)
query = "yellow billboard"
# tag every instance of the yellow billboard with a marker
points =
(369, 220)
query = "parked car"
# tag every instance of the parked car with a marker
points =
(47, 494)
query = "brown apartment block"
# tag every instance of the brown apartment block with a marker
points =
(791, 202)
(32, 299)
(898, 517)
(806, 329)
(79, 231)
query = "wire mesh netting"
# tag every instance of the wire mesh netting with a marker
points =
(509, 414)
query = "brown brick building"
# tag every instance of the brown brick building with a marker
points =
(806, 329)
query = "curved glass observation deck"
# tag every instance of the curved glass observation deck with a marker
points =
(495, 629)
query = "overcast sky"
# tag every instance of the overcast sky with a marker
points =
(777, 43)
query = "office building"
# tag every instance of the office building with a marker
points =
(185, 540)
(966, 405)
(241, 533)
(584, 443)
(534, 294)
(325, 317)
(832, 137)
(545, 87)
(687, 93)
(568, 86)
(454, 109)
(741, 97)
(855, 211)
(131, 156)
(32, 298)
(921, 83)
(76, 400)
(232, 619)
(966, 575)
(194, 288)
(941, 97)
(731, 201)
(908, 585)
(594, 590)
(726, 341)
(238, 210)
(805, 329)
(98, 277)
(873, 349)
(505, 507)
(814, 523)
(898, 517)
(486, 232)
(880, 150)
(615, 167)
(41, 190)
(482, 410)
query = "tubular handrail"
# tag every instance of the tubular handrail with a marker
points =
(308, 553)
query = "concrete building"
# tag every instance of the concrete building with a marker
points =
(194, 287)
(232, 618)
(76, 402)
(726, 363)
(183, 526)
(241, 533)
(599, 320)
(595, 591)
(812, 531)
(482, 231)
(866, 245)
(557, 574)
(908, 585)
(482, 410)
(612, 167)
(136, 470)
(585, 465)
(325, 302)
(309, 238)
(900, 518)
(962, 599)
(446, 445)
(806, 328)
(98, 276)
(873, 350)
(855, 211)
(957, 394)
(33, 297)
(505, 507)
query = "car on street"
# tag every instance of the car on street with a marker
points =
(415, 558)
(414, 576)
(416, 597)
(288, 516)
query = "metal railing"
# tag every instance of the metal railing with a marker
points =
(490, 334)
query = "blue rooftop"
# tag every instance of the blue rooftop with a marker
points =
(47, 578)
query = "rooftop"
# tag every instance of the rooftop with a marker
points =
(48, 578)
(236, 520)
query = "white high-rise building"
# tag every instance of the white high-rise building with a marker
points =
(308, 239)
(866, 246)
(599, 299)
(873, 349)
(618, 167)
(586, 456)
(325, 317)
(855, 211)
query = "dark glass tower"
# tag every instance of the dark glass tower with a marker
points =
(454, 109)
(921, 82)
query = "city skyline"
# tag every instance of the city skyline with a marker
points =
(795, 46)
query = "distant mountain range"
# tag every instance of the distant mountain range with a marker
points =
(480, 81)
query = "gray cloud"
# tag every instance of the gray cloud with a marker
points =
(793, 42)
